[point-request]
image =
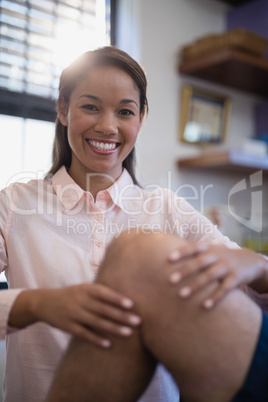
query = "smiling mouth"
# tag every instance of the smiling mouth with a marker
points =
(103, 146)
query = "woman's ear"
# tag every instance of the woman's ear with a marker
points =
(62, 111)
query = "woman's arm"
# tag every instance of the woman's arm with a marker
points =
(86, 311)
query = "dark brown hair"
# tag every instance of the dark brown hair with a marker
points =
(69, 79)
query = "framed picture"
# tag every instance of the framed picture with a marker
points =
(204, 117)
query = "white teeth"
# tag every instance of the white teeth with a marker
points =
(103, 146)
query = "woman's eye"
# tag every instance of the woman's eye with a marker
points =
(126, 112)
(90, 107)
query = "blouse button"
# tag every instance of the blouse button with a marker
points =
(98, 217)
(99, 243)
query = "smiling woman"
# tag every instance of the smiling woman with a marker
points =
(115, 119)
(102, 133)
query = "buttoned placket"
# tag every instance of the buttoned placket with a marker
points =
(98, 234)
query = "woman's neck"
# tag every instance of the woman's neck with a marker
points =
(92, 182)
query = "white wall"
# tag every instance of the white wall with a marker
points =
(154, 35)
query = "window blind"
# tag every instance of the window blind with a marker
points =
(36, 39)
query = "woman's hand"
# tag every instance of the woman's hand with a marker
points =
(229, 268)
(84, 311)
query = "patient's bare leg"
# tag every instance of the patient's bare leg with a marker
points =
(208, 352)
(91, 374)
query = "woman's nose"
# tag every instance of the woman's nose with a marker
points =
(107, 124)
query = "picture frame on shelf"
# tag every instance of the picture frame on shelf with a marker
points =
(204, 116)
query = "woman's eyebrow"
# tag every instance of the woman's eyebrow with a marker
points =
(90, 97)
(94, 97)
(128, 101)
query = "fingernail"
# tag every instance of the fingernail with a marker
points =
(134, 319)
(174, 255)
(208, 303)
(184, 292)
(125, 331)
(127, 303)
(106, 343)
(175, 277)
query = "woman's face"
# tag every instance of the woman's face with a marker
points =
(103, 120)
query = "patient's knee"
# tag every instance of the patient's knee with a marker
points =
(138, 257)
(141, 248)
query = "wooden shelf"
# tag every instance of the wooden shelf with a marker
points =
(232, 161)
(232, 68)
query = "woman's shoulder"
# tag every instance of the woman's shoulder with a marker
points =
(26, 183)
(24, 189)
